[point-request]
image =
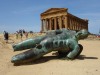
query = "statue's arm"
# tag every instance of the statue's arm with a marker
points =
(74, 49)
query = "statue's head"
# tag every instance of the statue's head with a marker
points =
(82, 34)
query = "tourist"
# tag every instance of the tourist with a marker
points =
(6, 36)
(26, 34)
(17, 34)
(21, 35)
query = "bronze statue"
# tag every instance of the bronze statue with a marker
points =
(64, 41)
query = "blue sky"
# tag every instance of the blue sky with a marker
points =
(25, 14)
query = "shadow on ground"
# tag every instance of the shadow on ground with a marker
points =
(48, 58)
(82, 57)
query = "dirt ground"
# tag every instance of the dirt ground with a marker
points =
(88, 63)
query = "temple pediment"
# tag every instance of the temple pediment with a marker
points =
(52, 10)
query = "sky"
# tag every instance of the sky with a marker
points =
(25, 14)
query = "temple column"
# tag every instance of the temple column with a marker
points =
(76, 25)
(45, 26)
(66, 22)
(69, 24)
(72, 24)
(50, 24)
(47, 23)
(79, 24)
(87, 25)
(42, 24)
(55, 23)
(60, 22)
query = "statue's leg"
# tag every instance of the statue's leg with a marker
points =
(81, 49)
(27, 44)
(30, 55)
(73, 53)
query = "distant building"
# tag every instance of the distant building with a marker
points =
(58, 18)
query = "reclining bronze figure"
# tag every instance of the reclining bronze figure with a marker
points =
(64, 41)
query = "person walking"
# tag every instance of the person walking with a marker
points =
(6, 36)
(26, 34)
(21, 34)
(17, 34)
